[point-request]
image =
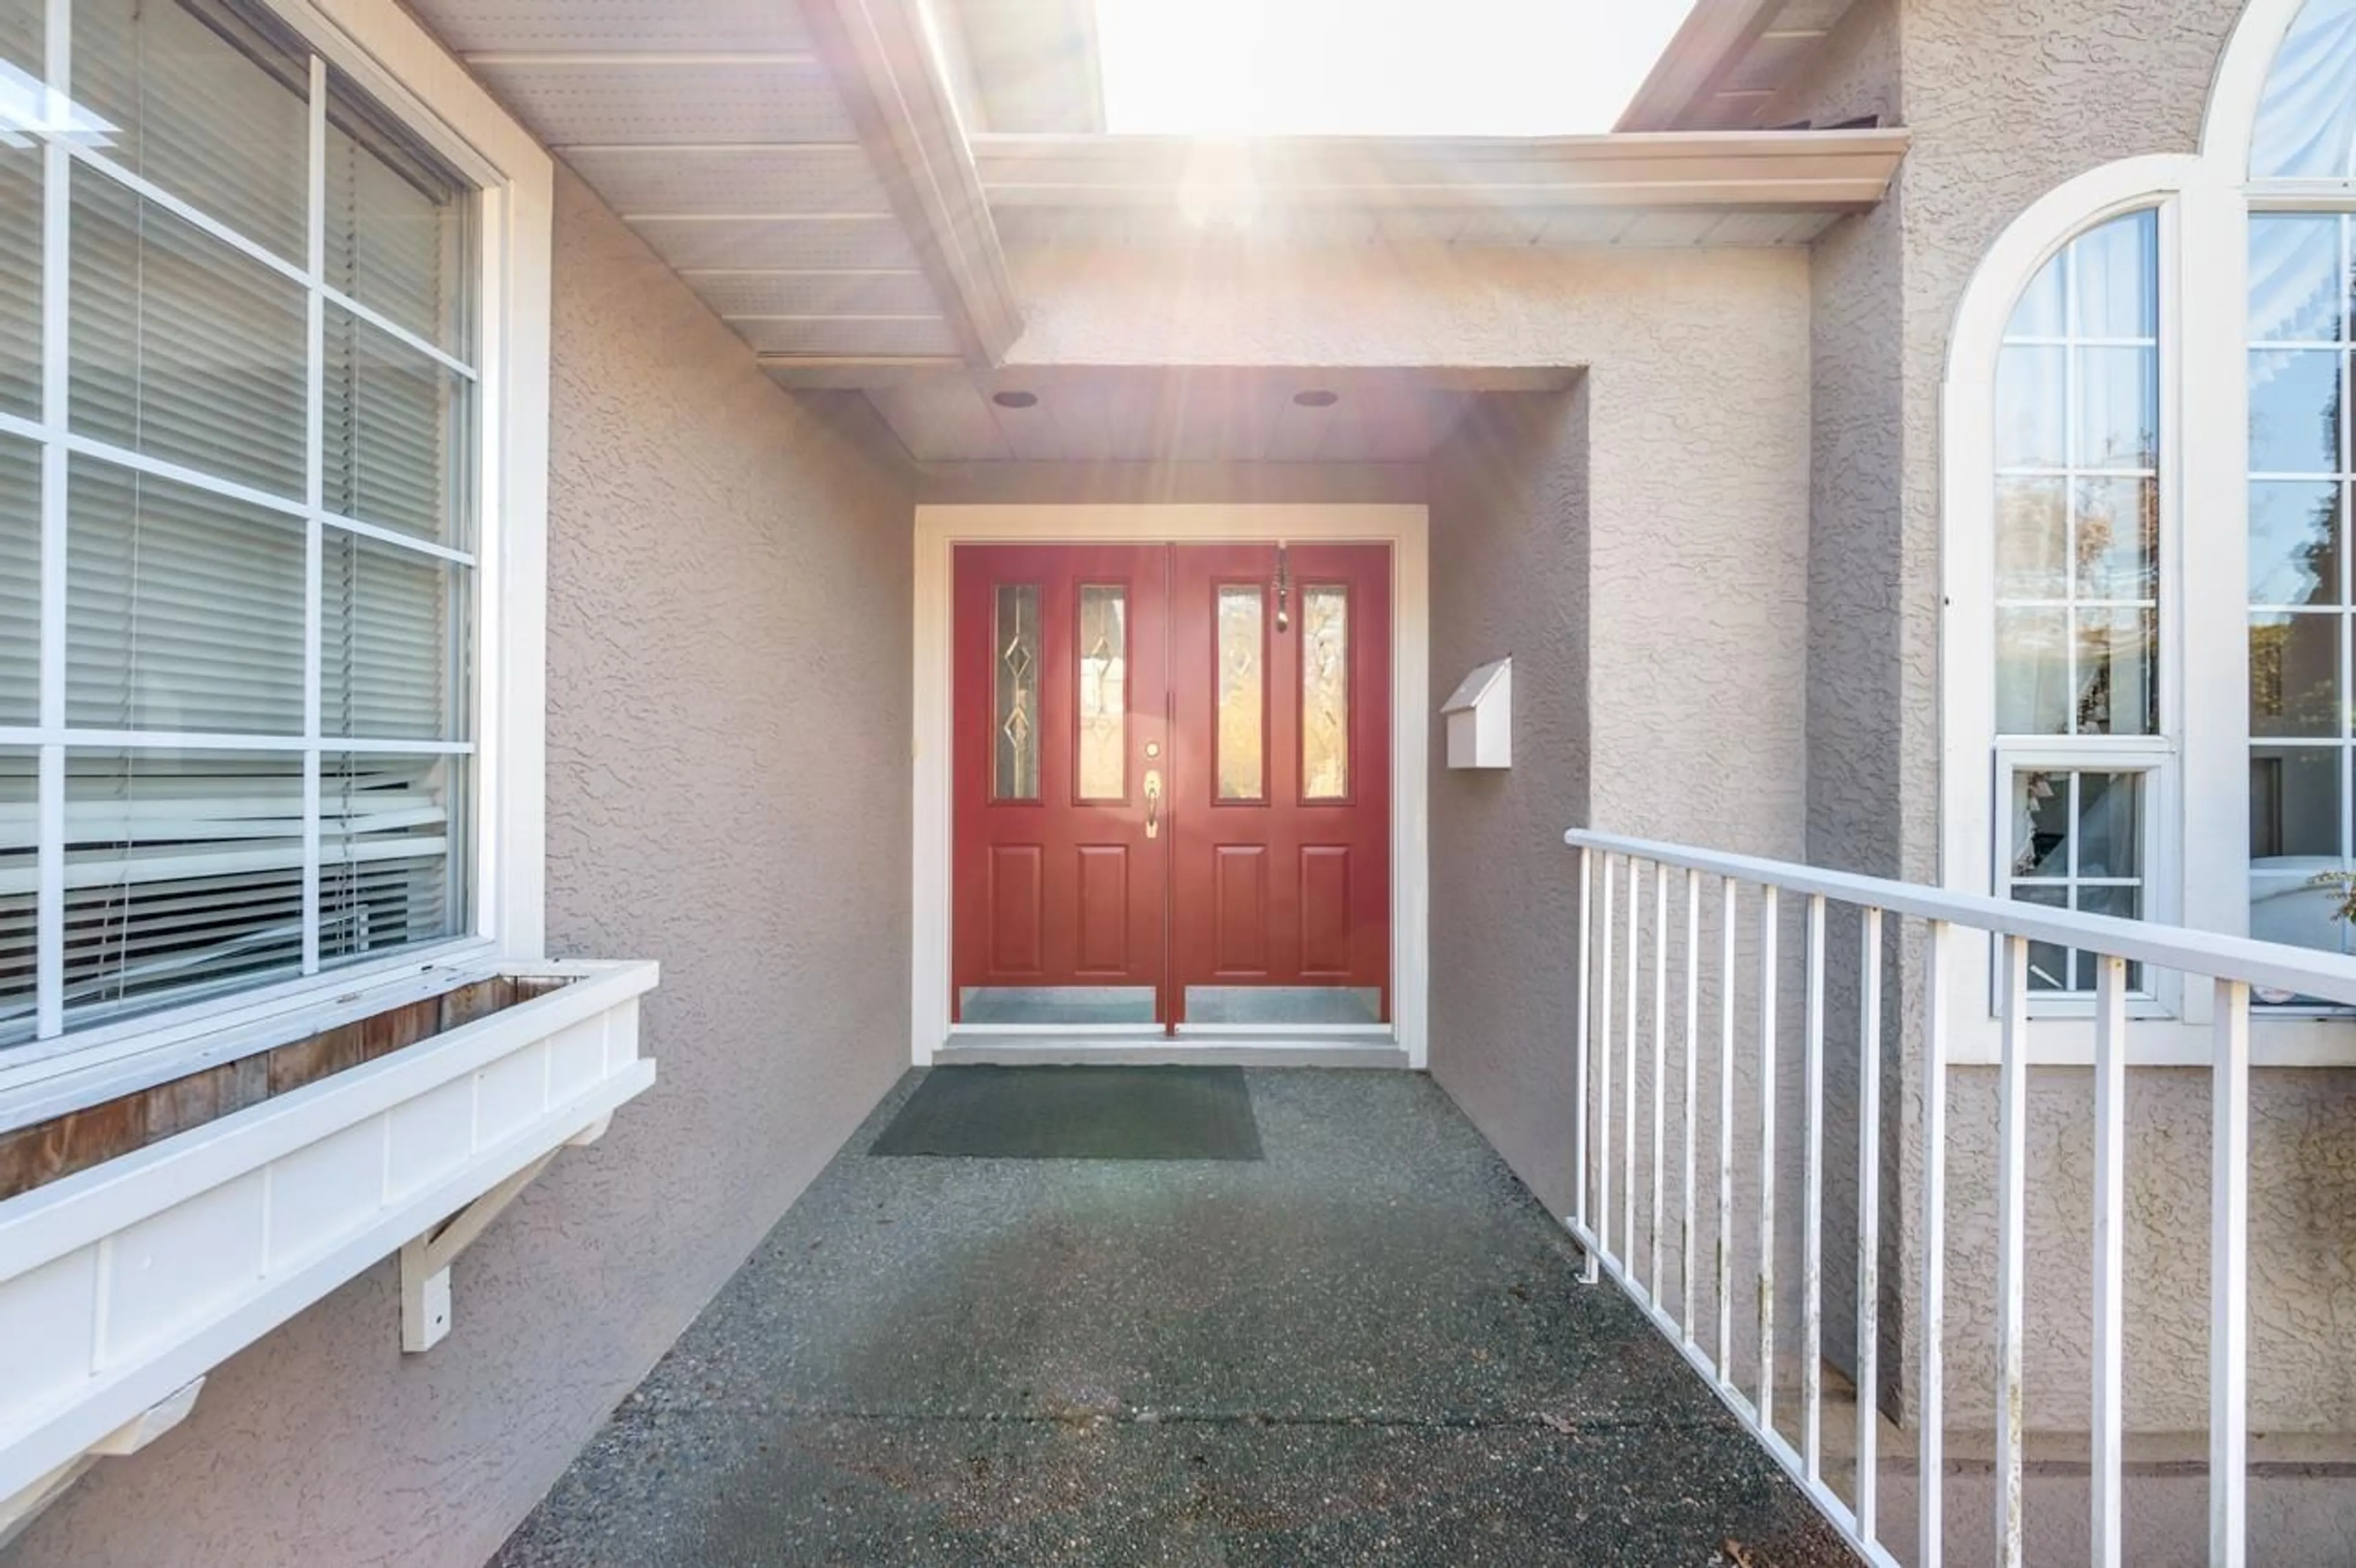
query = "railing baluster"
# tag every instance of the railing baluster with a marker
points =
(1603, 1069)
(1811, 1203)
(2110, 1251)
(1931, 1398)
(1692, 1301)
(1580, 1176)
(2011, 1229)
(1628, 1090)
(1660, 1061)
(1725, 1239)
(1868, 1218)
(2229, 1281)
(1768, 903)
(2239, 966)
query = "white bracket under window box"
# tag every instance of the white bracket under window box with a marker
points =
(1481, 718)
(123, 1284)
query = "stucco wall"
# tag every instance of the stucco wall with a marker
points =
(1509, 576)
(728, 658)
(2006, 99)
(1638, 547)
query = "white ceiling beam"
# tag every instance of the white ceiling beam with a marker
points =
(899, 99)
(1825, 171)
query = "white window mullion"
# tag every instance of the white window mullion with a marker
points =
(313, 495)
(2205, 371)
(49, 858)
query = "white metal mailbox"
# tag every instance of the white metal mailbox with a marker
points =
(1481, 718)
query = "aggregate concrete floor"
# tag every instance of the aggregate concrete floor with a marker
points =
(1371, 1347)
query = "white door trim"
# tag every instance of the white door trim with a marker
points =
(1406, 529)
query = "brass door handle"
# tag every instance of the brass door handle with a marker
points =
(1154, 802)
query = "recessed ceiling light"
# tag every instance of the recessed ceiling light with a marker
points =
(1316, 398)
(1015, 400)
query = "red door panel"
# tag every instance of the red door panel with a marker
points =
(1265, 715)
(1056, 879)
(1280, 798)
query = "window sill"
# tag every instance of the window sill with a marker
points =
(2305, 1039)
(122, 1284)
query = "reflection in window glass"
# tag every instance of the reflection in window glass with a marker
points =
(2307, 119)
(2301, 732)
(2077, 843)
(2077, 492)
(1014, 633)
(1103, 648)
(1242, 682)
(1324, 693)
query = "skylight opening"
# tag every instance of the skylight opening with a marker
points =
(1378, 68)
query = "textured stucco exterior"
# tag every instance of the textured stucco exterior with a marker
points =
(2004, 99)
(728, 656)
(1638, 547)
(1509, 577)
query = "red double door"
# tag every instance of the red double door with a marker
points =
(1173, 785)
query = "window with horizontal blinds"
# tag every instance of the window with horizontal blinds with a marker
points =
(183, 349)
(19, 844)
(20, 580)
(396, 234)
(184, 608)
(386, 824)
(260, 732)
(20, 281)
(184, 869)
(207, 102)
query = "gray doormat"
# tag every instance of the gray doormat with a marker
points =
(1076, 1112)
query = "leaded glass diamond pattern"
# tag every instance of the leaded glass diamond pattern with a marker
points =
(1015, 771)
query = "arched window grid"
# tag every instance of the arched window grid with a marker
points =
(2232, 775)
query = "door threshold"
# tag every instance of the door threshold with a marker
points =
(1111, 1050)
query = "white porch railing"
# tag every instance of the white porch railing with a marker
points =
(1665, 1185)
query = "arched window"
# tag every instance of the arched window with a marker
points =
(2077, 576)
(2149, 641)
(2302, 260)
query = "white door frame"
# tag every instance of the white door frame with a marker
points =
(1406, 529)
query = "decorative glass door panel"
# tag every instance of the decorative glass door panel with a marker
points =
(1281, 874)
(1172, 787)
(1061, 702)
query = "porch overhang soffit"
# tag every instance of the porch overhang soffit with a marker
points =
(1733, 63)
(1820, 174)
(800, 163)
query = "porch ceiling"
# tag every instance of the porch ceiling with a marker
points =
(1192, 414)
(1728, 65)
(787, 160)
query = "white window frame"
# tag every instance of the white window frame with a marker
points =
(391, 58)
(2197, 872)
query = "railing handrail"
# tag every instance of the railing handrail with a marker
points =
(2331, 977)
